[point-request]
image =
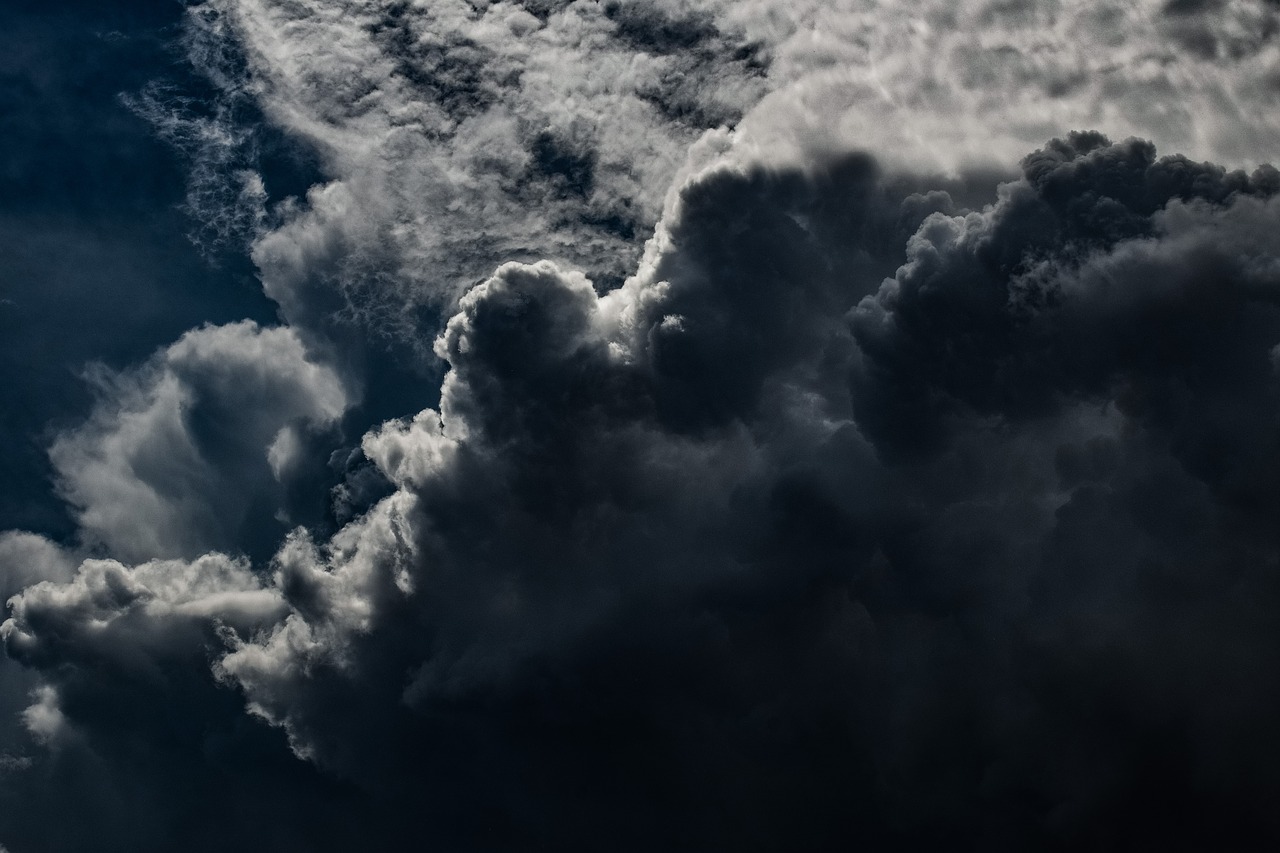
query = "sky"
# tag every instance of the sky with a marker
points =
(657, 425)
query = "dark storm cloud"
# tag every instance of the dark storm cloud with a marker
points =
(1002, 312)
(858, 517)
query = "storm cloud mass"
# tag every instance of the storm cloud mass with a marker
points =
(682, 425)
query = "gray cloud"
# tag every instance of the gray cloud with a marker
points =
(446, 138)
(451, 136)
(902, 500)
(856, 516)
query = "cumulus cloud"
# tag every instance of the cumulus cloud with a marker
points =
(180, 451)
(26, 558)
(140, 743)
(451, 136)
(900, 491)
(950, 84)
(74, 617)
(857, 516)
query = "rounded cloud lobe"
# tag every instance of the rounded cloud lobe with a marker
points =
(181, 452)
(862, 514)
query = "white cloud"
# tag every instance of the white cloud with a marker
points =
(176, 448)
(457, 135)
(948, 84)
(43, 718)
(26, 558)
(127, 618)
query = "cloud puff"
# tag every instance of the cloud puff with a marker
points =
(73, 616)
(181, 451)
(140, 743)
(954, 84)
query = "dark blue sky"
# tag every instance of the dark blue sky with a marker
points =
(95, 261)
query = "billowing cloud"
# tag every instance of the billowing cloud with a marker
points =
(137, 743)
(858, 516)
(955, 84)
(181, 451)
(450, 136)
(810, 467)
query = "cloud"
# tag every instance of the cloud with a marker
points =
(78, 616)
(857, 516)
(1003, 311)
(453, 135)
(899, 499)
(181, 451)
(668, 516)
(949, 85)
(428, 142)
(26, 558)
(140, 744)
